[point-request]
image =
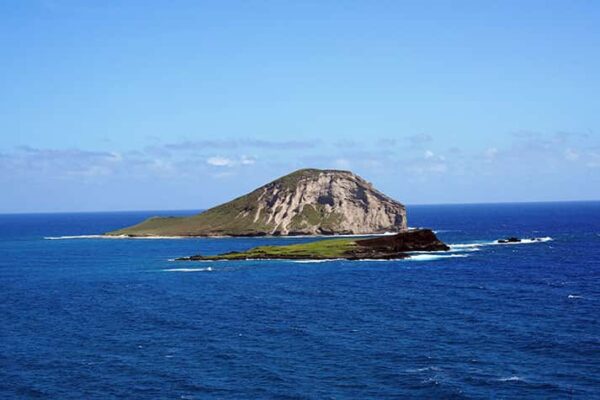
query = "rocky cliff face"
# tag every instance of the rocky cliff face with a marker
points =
(306, 202)
(327, 202)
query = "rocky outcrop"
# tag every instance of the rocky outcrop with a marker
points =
(306, 202)
(413, 240)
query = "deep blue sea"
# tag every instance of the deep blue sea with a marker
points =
(114, 318)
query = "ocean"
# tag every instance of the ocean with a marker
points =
(90, 318)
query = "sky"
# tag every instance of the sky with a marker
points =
(158, 105)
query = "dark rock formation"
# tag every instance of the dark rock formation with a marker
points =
(511, 239)
(392, 246)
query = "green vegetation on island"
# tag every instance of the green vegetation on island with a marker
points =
(382, 247)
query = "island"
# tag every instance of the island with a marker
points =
(306, 202)
(386, 247)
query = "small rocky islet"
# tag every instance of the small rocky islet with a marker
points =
(382, 248)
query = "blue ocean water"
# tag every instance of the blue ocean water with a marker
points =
(101, 319)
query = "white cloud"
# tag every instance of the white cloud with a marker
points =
(430, 163)
(247, 160)
(220, 161)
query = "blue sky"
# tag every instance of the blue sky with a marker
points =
(122, 105)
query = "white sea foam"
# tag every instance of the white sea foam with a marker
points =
(432, 368)
(469, 246)
(316, 261)
(79, 237)
(574, 296)
(476, 245)
(528, 241)
(207, 269)
(432, 256)
(113, 237)
(513, 378)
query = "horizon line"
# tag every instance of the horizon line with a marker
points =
(208, 208)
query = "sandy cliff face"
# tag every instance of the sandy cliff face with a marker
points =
(306, 202)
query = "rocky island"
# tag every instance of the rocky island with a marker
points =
(305, 202)
(383, 247)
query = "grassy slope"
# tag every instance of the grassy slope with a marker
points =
(228, 219)
(381, 247)
(321, 249)
(218, 220)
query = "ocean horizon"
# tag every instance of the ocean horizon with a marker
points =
(191, 211)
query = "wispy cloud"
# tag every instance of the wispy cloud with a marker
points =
(419, 139)
(233, 144)
(534, 152)
(429, 163)
(220, 161)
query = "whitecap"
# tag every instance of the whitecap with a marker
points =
(431, 257)
(574, 296)
(71, 237)
(525, 241)
(532, 240)
(513, 378)
(469, 246)
(78, 237)
(432, 368)
(207, 269)
(476, 245)
(316, 261)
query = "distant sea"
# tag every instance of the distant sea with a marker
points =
(89, 318)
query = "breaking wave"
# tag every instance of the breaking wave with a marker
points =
(431, 256)
(476, 245)
(511, 379)
(207, 269)
(113, 237)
